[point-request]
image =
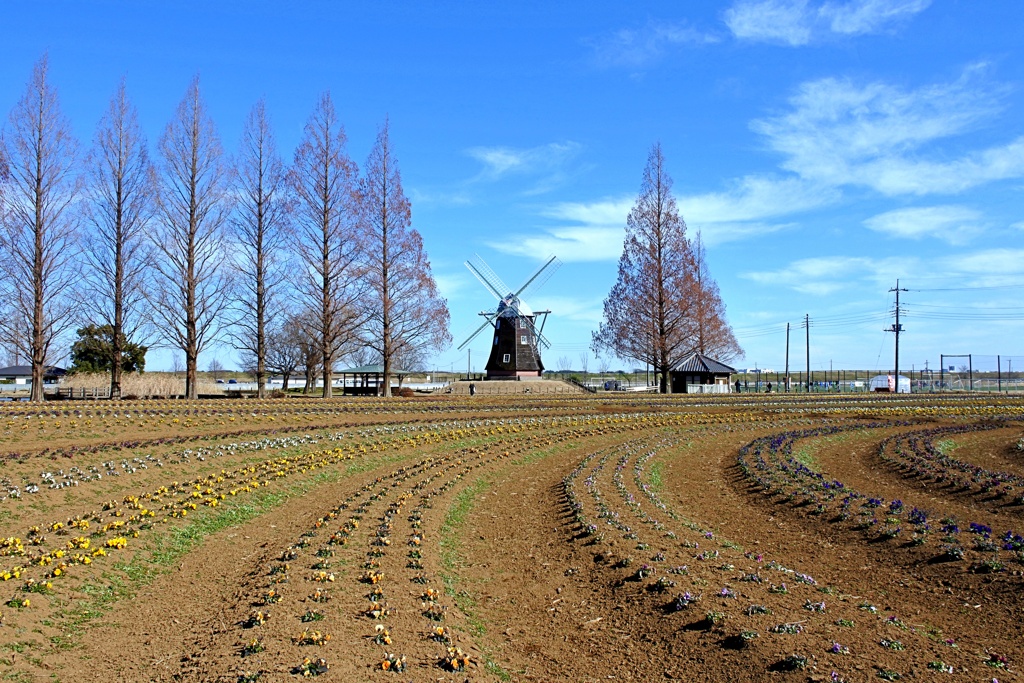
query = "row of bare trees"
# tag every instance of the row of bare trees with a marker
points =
(198, 246)
(664, 304)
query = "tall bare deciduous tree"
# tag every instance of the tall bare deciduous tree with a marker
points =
(39, 237)
(713, 334)
(191, 289)
(407, 314)
(648, 315)
(120, 205)
(323, 180)
(259, 226)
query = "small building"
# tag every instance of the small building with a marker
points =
(698, 374)
(366, 380)
(888, 384)
(22, 374)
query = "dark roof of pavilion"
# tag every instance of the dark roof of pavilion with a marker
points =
(698, 362)
(371, 370)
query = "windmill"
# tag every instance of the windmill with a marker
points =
(515, 349)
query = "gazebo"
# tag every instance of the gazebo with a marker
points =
(698, 374)
(366, 379)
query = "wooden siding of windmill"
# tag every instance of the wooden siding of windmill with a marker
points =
(514, 351)
(517, 341)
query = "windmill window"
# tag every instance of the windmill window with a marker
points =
(525, 339)
(506, 358)
(522, 323)
(495, 340)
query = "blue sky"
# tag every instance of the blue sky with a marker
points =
(824, 149)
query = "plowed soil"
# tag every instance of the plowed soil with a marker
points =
(523, 539)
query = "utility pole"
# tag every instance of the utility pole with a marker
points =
(807, 326)
(787, 358)
(896, 329)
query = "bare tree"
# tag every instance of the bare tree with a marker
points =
(215, 368)
(407, 314)
(120, 195)
(284, 349)
(259, 230)
(648, 313)
(322, 179)
(39, 238)
(603, 365)
(714, 336)
(584, 362)
(191, 288)
(564, 365)
(312, 355)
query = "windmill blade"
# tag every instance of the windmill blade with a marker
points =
(487, 277)
(538, 333)
(477, 332)
(536, 280)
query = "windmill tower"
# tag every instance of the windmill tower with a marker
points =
(517, 342)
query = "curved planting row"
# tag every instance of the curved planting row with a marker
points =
(769, 463)
(369, 566)
(920, 454)
(709, 586)
(45, 553)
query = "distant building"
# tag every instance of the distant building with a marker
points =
(22, 374)
(887, 384)
(699, 374)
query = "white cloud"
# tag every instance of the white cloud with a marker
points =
(456, 198)
(993, 265)
(879, 136)
(952, 223)
(570, 244)
(499, 162)
(754, 198)
(799, 22)
(830, 274)
(638, 47)
(597, 228)
(588, 311)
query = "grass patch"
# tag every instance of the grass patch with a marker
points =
(946, 446)
(454, 519)
(654, 477)
(166, 549)
(805, 456)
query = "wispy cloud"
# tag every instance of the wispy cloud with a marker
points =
(443, 198)
(881, 136)
(952, 223)
(800, 22)
(637, 47)
(827, 275)
(755, 198)
(991, 265)
(830, 274)
(499, 162)
(571, 244)
(594, 231)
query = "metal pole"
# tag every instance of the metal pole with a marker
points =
(970, 370)
(807, 326)
(787, 358)
(942, 371)
(999, 373)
